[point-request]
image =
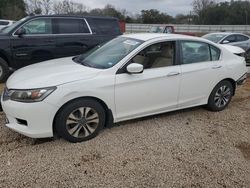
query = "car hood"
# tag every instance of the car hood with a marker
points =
(233, 49)
(50, 73)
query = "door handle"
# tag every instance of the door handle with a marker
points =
(173, 74)
(216, 67)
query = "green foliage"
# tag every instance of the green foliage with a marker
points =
(108, 10)
(154, 16)
(204, 12)
(225, 13)
(12, 9)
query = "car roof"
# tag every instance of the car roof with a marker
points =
(150, 36)
(70, 16)
(226, 33)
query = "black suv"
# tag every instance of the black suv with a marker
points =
(38, 38)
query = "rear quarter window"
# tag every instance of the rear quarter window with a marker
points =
(104, 26)
(241, 38)
(215, 53)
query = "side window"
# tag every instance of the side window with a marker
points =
(194, 52)
(106, 26)
(241, 38)
(38, 26)
(67, 26)
(230, 38)
(215, 53)
(156, 55)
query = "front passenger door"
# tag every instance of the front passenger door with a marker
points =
(35, 45)
(153, 91)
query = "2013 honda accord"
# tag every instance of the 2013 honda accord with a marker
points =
(129, 77)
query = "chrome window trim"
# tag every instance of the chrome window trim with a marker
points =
(90, 31)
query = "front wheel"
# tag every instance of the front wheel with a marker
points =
(220, 96)
(80, 120)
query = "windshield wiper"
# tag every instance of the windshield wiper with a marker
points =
(85, 63)
(79, 60)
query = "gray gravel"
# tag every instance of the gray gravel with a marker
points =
(188, 148)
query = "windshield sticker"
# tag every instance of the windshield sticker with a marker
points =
(131, 42)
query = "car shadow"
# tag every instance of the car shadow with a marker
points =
(161, 115)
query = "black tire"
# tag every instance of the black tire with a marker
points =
(65, 114)
(4, 70)
(215, 100)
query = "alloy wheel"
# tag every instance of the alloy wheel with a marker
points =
(82, 122)
(222, 96)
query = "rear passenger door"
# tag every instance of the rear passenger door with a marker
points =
(242, 41)
(229, 39)
(103, 29)
(200, 69)
(72, 36)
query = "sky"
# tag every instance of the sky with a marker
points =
(171, 7)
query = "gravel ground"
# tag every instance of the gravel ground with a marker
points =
(188, 148)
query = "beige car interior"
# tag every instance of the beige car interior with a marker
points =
(156, 55)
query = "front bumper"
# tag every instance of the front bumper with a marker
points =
(34, 120)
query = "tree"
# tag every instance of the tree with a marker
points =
(154, 16)
(225, 13)
(46, 6)
(12, 9)
(68, 7)
(183, 19)
(110, 10)
(33, 6)
(200, 6)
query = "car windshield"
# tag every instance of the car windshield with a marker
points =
(214, 37)
(109, 54)
(9, 28)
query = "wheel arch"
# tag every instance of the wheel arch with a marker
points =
(108, 112)
(233, 82)
(5, 57)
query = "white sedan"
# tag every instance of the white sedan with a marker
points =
(129, 77)
(5, 23)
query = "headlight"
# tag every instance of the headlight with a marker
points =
(29, 95)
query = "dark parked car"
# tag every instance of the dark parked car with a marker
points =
(38, 38)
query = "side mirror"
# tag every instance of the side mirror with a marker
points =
(20, 32)
(225, 42)
(135, 68)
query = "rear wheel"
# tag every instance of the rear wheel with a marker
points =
(4, 70)
(80, 120)
(220, 96)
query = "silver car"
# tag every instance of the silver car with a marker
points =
(5, 23)
(235, 39)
